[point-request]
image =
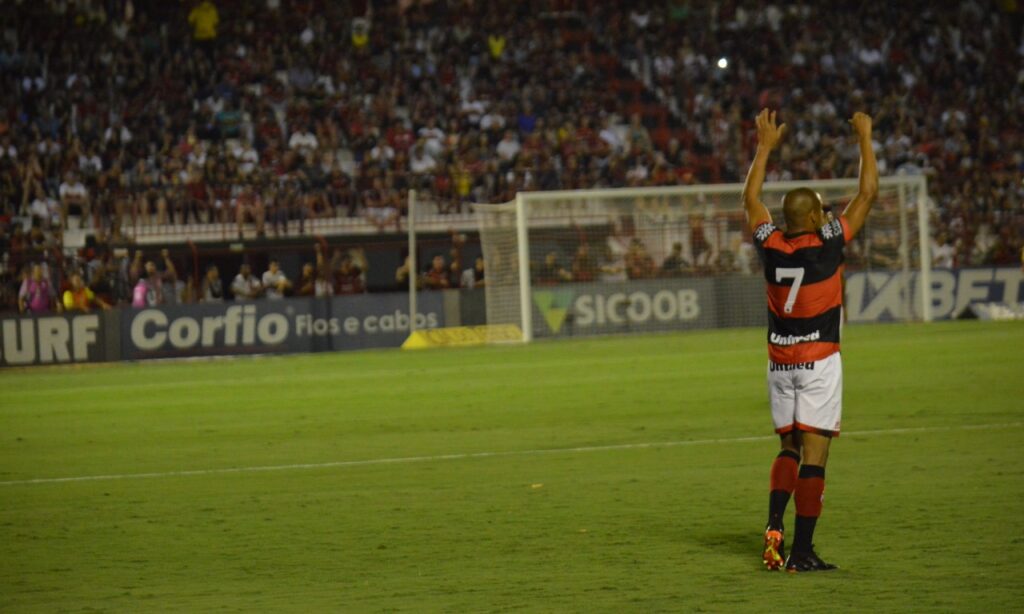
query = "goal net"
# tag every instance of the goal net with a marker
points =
(627, 260)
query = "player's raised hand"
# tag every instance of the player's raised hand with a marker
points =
(862, 124)
(769, 134)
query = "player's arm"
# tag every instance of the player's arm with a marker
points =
(768, 136)
(857, 211)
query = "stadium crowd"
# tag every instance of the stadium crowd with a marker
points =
(117, 113)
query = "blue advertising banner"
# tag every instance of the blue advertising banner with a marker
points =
(382, 320)
(623, 307)
(269, 326)
(875, 296)
(53, 339)
(378, 320)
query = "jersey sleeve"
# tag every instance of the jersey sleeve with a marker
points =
(836, 232)
(847, 233)
(762, 232)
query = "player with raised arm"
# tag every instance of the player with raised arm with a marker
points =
(803, 270)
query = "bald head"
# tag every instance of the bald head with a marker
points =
(802, 210)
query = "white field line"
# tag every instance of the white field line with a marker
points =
(472, 455)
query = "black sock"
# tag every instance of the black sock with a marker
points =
(777, 502)
(804, 533)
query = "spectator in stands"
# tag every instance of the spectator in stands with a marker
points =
(584, 267)
(436, 277)
(455, 259)
(80, 298)
(744, 255)
(381, 209)
(275, 282)
(381, 154)
(402, 275)
(474, 277)
(639, 264)
(942, 252)
(701, 246)
(674, 264)
(422, 164)
(249, 206)
(246, 156)
(304, 141)
(324, 282)
(984, 245)
(637, 136)
(45, 208)
(74, 200)
(306, 286)
(324, 285)
(551, 271)
(246, 287)
(508, 148)
(611, 136)
(348, 277)
(213, 288)
(36, 294)
(204, 19)
(155, 287)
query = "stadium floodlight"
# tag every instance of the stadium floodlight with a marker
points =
(723, 63)
(579, 262)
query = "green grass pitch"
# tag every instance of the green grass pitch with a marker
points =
(517, 484)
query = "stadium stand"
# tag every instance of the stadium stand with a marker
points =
(168, 121)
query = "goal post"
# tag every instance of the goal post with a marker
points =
(523, 256)
(601, 261)
(411, 262)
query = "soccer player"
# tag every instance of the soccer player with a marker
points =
(803, 268)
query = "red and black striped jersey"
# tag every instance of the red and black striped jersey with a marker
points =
(805, 292)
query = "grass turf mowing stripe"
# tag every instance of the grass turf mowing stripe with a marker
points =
(471, 455)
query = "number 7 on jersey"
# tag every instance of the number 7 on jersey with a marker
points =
(797, 275)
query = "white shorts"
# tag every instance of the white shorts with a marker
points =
(807, 396)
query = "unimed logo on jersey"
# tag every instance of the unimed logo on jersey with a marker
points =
(778, 339)
(609, 309)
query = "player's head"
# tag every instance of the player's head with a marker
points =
(802, 209)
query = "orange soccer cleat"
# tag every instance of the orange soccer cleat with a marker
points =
(774, 556)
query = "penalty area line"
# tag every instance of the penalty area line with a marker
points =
(472, 455)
